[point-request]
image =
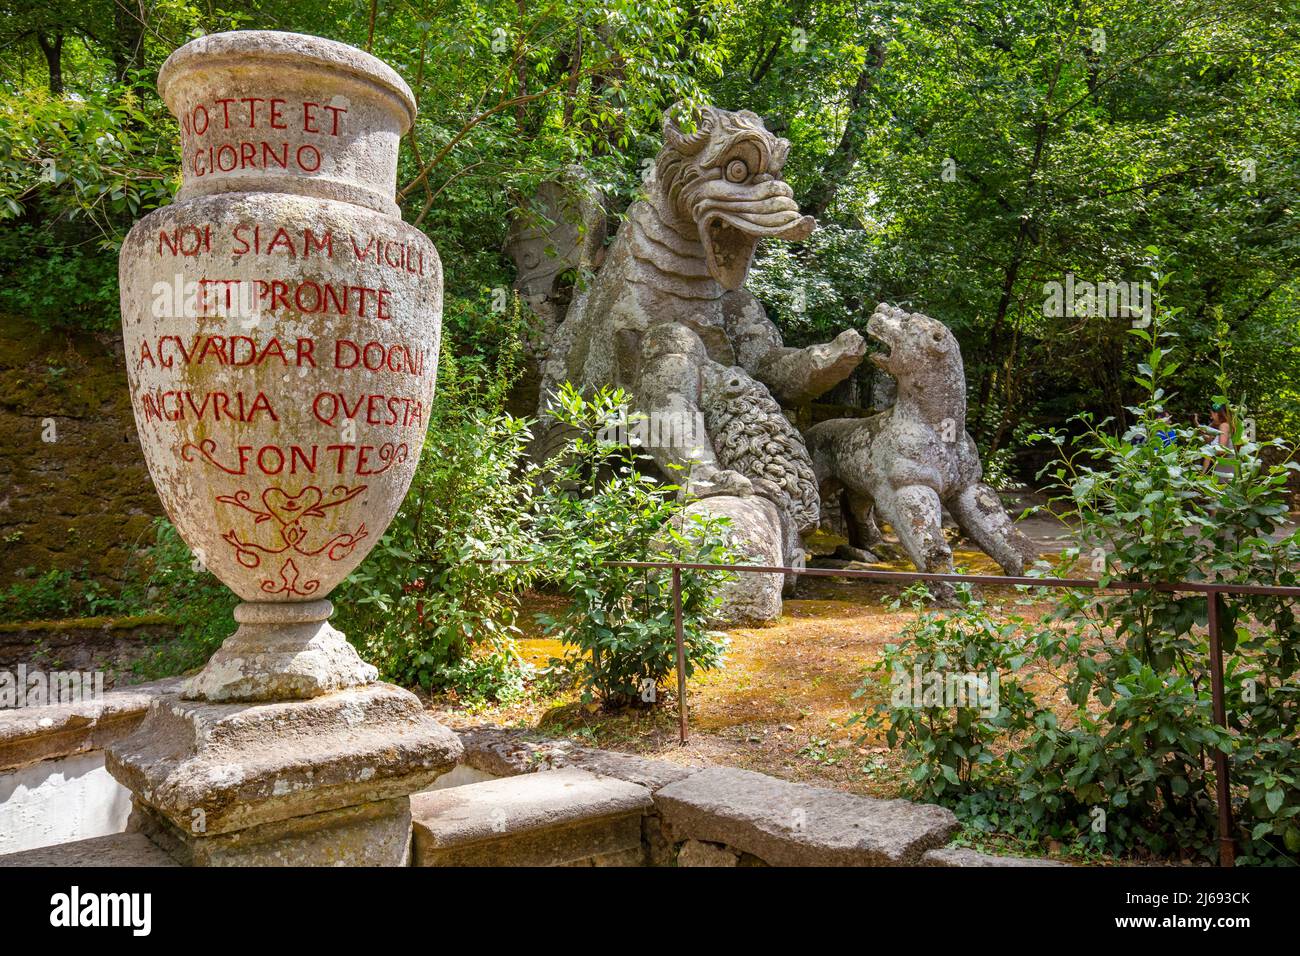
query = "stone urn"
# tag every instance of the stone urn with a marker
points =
(282, 327)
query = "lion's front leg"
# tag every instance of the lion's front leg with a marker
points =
(916, 515)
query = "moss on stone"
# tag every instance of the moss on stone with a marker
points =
(84, 623)
(85, 500)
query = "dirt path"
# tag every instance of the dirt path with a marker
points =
(781, 704)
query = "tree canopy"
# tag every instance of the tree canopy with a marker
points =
(961, 155)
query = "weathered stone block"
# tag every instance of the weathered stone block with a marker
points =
(793, 824)
(659, 851)
(209, 770)
(116, 850)
(504, 753)
(30, 734)
(370, 834)
(964, 856)
(696, 853)
(542, 819)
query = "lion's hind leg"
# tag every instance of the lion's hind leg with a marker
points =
(865, 537)
(981, 517)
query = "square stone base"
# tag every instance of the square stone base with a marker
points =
(318, 782)
(372, 834)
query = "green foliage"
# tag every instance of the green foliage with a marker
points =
(428, 606)
(168, 580)
(55, 594)
(1130, 769)
(948, 747)
(597, 509)
(816, 289)
(74, 174)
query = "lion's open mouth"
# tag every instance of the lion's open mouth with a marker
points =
(884, 331)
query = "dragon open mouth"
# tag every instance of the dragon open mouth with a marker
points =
(731, 223)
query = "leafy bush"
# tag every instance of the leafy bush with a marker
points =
(1129, 769)
(75, 172)
(948, 745)
(598, 508)
(1165, 510)
(428, 606)
(56, 594)
(169, 580)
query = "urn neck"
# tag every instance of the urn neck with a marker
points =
(264, 111)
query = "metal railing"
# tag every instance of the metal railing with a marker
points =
(1214, 593)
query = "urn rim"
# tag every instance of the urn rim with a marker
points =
(245, 47)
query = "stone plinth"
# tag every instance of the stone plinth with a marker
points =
(319, 782)
(553, 818)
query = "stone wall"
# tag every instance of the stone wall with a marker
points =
(85, 498)
(556, 803)
(515, 800)
(105, 644)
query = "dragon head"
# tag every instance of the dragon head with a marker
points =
(726, 178)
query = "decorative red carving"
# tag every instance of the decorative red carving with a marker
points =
(291, 512)
(289, 582)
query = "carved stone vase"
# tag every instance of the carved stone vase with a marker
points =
(282, 327)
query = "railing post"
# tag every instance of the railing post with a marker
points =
(1214, 620)
(681, 652)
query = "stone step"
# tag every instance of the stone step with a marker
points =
(794, 824)
(566, 817)
(964, 856)
(116, 850)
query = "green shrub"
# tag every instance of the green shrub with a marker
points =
(948, 741)
(598, 508)
(75, 173)
(169, 580)
(56, 594)
(428, 606)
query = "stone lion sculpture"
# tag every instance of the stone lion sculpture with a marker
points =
(906, 464)
(666, 318)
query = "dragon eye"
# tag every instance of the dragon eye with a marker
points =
(737, 171)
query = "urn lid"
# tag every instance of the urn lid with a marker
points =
(267, 111)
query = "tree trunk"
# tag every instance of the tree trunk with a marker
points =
(840, 163)
(53, 50)
(575, 76)
(128, 38)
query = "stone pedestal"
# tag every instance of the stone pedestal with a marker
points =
(325, 781)
(280, 652)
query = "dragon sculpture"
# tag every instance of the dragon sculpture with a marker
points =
(667, 319)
